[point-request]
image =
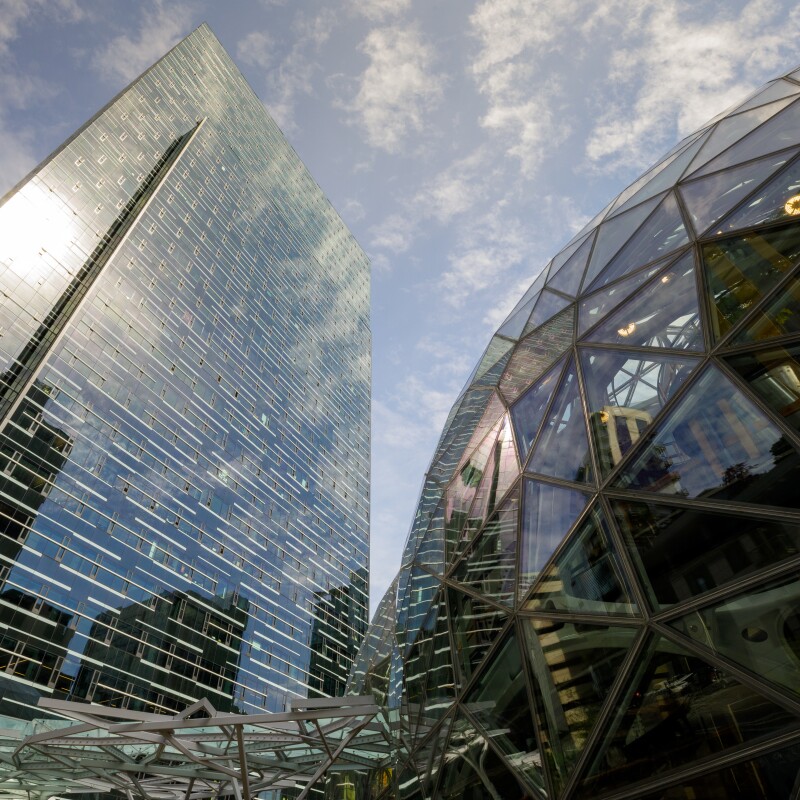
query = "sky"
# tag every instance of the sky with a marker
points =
(463, 142)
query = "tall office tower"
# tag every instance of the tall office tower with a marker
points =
(600, 594)
(184, 410)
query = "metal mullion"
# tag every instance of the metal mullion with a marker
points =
(737, 380)
(649, 434)
(640, 595)
(607, 710)
(560, 482)
(527, 667)
(645, 350)
(487, 657)
(606, 621)
(785, 340)
(562, 545)
(745, 136)
(727, 507)
(584, 401)
(593, 233)
(727, 665)
(728, 590)
(560, 294)
(682, 209)
(707, 766)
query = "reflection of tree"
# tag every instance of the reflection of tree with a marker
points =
(737, 473)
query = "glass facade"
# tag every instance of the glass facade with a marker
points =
(184, 410)
(599, 596)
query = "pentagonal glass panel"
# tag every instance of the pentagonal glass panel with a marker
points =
(663, 233)
(676, 710)
(499, 703)
(665, 176)
(416, 665)
(490, 567)
(708, 199)
(612, 236)
(501, 470)
(587, 576)
(772, 776)
(778, 200)
(740, 270)
(758, 630)
(431, 548)
(475, 625)
(573, 668)
(548, 512)
(562, 450)
(471, 769)
(716, 443)
(528, 412)
(774, 375)
(535, 353)
(681, 553)
(778, 133)
(428, 756)
(567, 278)
(414, 597)
(780, 317)
(664, 313)
(547, 306)
(440, 683)
(596, 306)
(624, 391)
(731, 130)
(461, 492)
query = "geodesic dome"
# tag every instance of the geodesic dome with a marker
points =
(600, 594)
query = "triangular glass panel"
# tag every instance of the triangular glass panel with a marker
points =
(547, 306)
(771, 776)
(440, 683)
(758, 630)
(494, 410)
(475, 625)
(568, 277)
(709, 199)
(562, 450)
(591, 225)
(716, 443)
(664, 313)
(777, 201)
(490, 566)
(428, 757)
(774, 375)
(778, 133)
(681, 553)
(528, 412)
(662, 233)
(666, 177)
(731, 129)
(515, 322)
(596, 306)
(740, 270)
(501, 470)
(776, 90)
(471, 768)
(548, 513)
(496, 351)
(573, 667)
(461, 492)
(624, 391)
(780, 317)
(498, 702)
(677, 710)
(587, 576)
(613, 234)
(535, 353)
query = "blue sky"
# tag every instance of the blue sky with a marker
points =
(462, 141)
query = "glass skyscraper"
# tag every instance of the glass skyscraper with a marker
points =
(184, 410)
(600, 592)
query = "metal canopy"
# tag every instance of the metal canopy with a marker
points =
(196, 754)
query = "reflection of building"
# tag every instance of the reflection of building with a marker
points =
(184, 407)
(623, 619)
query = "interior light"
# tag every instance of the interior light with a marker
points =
(792, 205)
(627, 330)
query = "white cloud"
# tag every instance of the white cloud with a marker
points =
(455, 189)
(161, 26)
(257, 48)
(683, 71)
(379, 9)
(395, 233)
(398, 88)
